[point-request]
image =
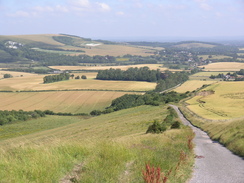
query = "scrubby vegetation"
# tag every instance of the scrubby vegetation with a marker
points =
(170, 122)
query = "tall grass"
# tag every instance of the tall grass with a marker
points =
(113, 148)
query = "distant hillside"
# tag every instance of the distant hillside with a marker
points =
(75, 45)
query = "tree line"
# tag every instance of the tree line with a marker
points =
(131, 74)
(55, 78)
(132, 100)
(14, 116)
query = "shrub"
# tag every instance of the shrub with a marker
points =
(156, 127)
(175, 125)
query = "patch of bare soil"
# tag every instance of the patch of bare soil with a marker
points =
(74, 175)
(205, 93)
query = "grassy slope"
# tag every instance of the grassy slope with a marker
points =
(108, 146)
(101, 49)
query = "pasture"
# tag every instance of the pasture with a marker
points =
(224, 66)
(62, 101)
(106, 146)
(227, 102)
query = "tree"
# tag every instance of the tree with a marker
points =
(83, 77)
(7, 76)
(77, 77)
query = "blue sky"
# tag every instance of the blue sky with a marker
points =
(123, 18)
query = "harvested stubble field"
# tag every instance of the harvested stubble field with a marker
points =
(99, 67)
(224, 66)
(15, 74)
(35, 82)
(227, 102)
(62, 101)
(194, 45)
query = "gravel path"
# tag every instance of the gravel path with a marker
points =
(214, 163)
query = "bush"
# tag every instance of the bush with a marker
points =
(83, 77)
(175, 125)
(95, 112)
(156, 127)
(7, 76)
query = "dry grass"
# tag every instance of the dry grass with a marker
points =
(191, 85)
(224, 66)
(69, 101)
(226, 103)
(100, 67)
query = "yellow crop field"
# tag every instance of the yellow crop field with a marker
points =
(191, 85)
(99, 67)
(36, 83)
(15, 74)
(227, 101)
(62, 101)
(224, 66)
(117, 50)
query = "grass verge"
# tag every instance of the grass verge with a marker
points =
(229, 133)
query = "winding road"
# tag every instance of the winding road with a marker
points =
(214, 163)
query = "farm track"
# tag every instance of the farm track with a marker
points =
(214, 163)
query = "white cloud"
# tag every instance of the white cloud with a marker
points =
(80, 3)
(103, 6)
(206, 6)
(20, 14)
(121, 13)
(43, 9)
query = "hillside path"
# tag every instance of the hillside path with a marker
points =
(214, 163)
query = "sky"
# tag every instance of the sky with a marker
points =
(113, 19)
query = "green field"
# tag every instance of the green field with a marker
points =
(108, 148)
